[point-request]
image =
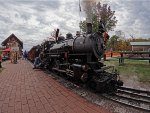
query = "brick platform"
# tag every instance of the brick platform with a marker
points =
(24, 90)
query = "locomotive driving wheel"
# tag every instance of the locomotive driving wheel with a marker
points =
(92, 85)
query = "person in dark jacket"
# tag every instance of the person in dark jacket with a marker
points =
(38, 63)
(25, 55)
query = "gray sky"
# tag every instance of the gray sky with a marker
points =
(32, 21)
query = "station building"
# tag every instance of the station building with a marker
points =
(140, 46)
(13, 45)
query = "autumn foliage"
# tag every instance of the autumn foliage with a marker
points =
(118, 44)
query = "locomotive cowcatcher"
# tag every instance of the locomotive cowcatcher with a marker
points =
(79, 59)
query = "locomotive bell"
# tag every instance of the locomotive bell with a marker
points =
(77, 33)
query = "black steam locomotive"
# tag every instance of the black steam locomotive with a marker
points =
(79, 59)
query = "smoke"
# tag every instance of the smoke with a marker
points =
(88, 8)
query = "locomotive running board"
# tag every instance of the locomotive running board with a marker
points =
(103, 69)
(59, 70)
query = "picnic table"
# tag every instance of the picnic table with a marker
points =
(134, 55)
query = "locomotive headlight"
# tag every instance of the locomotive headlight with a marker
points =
(85, 67)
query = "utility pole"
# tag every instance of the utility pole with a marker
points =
(80, 13)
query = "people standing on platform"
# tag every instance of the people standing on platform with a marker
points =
(25, 55)
(37, 52)
(0, 61)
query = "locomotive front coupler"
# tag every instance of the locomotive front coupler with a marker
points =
(118, 81)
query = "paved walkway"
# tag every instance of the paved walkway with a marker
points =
(24, 90)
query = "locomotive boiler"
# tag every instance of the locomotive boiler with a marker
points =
(79, 58)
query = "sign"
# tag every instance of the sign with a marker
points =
(14, 48)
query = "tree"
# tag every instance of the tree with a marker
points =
(95, 22)
(112, 43)
(82, 26)
(119, 44)
(103, 13)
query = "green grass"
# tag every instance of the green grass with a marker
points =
(138, 68)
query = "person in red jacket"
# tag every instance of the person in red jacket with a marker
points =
(0, 61)
(106, 37)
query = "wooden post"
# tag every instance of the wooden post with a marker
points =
(121, 60)
(111, 54)
(149, 60)
(104, 57)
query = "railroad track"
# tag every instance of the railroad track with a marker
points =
(135, 98)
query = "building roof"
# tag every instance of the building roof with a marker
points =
(12, 35)
(140, 43)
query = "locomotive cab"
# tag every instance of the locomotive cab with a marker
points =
(60, 39)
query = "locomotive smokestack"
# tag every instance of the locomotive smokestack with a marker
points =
(57, 32)
(89, 26)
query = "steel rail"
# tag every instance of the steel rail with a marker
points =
(135, 90)
(125, 103)
(133, 99)
(134, 94)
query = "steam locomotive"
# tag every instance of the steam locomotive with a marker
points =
(79, 59)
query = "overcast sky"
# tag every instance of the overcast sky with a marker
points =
(32, 21)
